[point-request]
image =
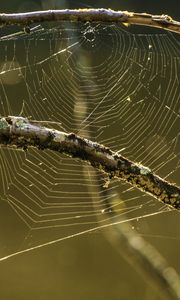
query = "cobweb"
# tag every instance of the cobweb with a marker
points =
(106, 83)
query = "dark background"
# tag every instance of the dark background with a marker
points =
(87, 267)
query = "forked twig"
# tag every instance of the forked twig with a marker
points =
(91, 15)
(21, 132)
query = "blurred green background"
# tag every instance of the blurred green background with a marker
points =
(87, 267)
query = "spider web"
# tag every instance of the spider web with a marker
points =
(107, 84)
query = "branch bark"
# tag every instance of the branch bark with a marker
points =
(23, 133)
(91, 15)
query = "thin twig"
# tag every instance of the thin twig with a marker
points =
(91, 15)
(21, 132)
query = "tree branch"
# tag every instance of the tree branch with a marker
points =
(23, 133)
(91, 15)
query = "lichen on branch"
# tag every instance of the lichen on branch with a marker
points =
(22, 133)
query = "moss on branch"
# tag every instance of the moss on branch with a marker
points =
(22, 133)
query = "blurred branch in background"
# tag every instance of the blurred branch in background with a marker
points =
(91, 15)
(23, 133)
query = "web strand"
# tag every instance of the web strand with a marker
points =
(100, 81)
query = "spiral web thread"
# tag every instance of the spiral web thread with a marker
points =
(105, 83)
